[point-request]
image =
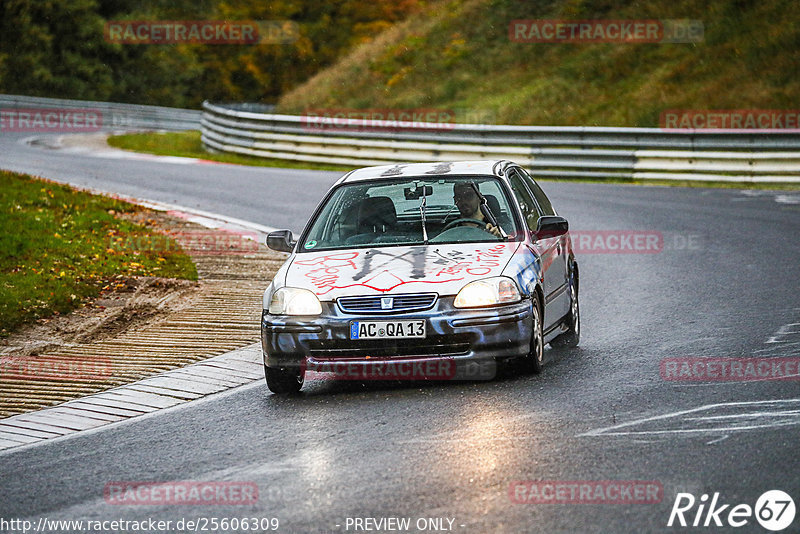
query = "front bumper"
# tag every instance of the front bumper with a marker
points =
(461, 336)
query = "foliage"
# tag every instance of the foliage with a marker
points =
(57, 48)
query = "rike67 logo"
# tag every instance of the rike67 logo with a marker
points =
(774, 510)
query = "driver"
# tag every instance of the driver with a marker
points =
(469, 207)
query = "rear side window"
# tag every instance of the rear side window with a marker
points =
(541, 198)
(526, 202)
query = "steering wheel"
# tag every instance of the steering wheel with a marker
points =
(451, 224)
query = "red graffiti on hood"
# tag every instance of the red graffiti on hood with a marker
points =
(333, 271)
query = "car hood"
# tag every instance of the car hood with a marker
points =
(442, 269)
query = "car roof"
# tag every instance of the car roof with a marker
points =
(437, 168)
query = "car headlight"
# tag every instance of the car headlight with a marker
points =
(294, 301)
(488, 292)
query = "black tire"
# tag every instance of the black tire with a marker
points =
(284, 381)
(534, 361)
(572, 336)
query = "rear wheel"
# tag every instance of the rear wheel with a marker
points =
(284, 381)
(572, 336)
(534, 361)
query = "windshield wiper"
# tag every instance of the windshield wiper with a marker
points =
(422, 207)
(487, 212)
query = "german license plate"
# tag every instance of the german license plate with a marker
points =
(386, 329)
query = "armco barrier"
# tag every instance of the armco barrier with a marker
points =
(114, 116)
(549, 151)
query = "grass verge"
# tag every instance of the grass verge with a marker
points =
(61, 246)
(188, 144)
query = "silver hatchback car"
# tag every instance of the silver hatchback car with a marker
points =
(418, 271)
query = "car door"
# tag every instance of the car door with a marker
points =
(559, 272)
(548, 250)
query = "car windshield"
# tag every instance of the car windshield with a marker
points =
(413, 211)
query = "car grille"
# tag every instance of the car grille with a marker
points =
(387, 303)
(446, 345)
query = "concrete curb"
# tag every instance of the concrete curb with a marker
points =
(159, 392)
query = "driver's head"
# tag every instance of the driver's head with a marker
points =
(467, 200)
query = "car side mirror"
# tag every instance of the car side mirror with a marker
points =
(551, 226)
(281, 240)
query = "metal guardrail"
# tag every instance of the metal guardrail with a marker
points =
(548, 151)
(113, 116)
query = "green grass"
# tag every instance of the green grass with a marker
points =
(60, 246)
(188, 144)
(457, 55)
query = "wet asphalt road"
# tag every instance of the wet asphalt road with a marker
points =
(725, 285)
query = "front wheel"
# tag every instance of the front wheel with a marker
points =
(534, 361)
(572, 336)
(284, 381)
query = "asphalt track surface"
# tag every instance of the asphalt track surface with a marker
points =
(725, 285)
